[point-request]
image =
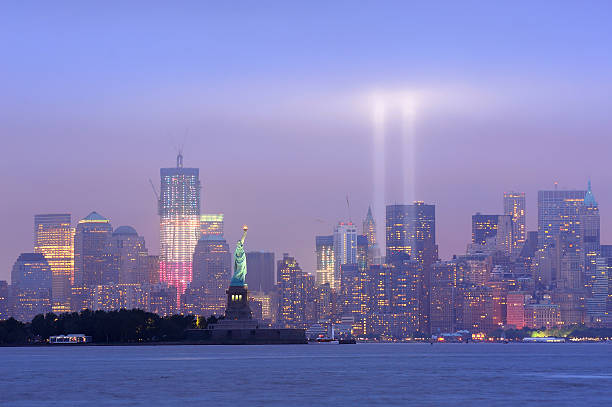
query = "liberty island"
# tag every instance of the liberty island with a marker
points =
(238, 327)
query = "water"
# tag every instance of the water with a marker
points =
(300, 375)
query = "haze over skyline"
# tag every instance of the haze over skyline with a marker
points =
(274, 103)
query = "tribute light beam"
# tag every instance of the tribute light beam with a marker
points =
(408, 148)
(379, 178)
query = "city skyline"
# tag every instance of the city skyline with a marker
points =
(493, 109)
(294, 198)
(310, 262)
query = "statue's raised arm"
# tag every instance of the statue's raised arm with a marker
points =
(240, 266)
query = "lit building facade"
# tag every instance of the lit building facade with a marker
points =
(91, 251)
(544, 315)
(515, 314)
(443, 297)
(267, 310)
(514, 206)
(411, 233)
(590, 222)
(558, 213)
(324, 248)
(211, 225)
(293, 286)
(477, 309)
(345, 249)
(54, 238)
(493, 232)
(597, 302)
(179, 231)
(560, 229)
(5, 308)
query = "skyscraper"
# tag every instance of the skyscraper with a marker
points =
(211, 225)
(558, 213)
(260, 276)
(31, 284)
(212, 271)
(411, 233)
(443, 297)
(179, 231)
(411, 230)
(4, 300)
(325, 261)
(91, 258)
(514, 206)
(292, 292)
(54, 239)
(369, 230)
(597, 303)
(492, 232)
(128, 257)
(407, 300)
(590, 222)
(345, 249)
(560, 227)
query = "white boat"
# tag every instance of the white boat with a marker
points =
(326, 340)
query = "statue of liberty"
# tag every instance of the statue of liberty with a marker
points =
(240, 266)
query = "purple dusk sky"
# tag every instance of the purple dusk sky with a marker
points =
(274, 102)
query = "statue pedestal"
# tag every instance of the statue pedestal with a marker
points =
(239, 328)
(238, 314)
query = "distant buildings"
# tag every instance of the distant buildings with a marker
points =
(514, 206)
(411, 234)
(295, 287)
(345, 249)
(91, 254)
(325, 269)
(492, 233)
(128, 256)
(590, 223)
(509, 277)
(369, 231)
(444, 291)
(211, 226)
(179, 231)
(54, 238)
(558, 214)
(31, 281)
(212, 271)
(260, 275)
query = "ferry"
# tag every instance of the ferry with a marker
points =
(327, 340)
(70, 339)
(549, 339)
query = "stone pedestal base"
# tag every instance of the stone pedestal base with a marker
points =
(238, 314)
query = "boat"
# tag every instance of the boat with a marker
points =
(549, 339)
(326, 340)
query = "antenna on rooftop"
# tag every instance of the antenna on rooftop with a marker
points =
(348, 206)
(179, 157)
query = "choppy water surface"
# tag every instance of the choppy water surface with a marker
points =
(362, 374)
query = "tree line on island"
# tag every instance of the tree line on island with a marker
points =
(122, 326)
(137, 326)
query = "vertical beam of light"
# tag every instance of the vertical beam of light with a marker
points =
(379, 112)
(408, 150)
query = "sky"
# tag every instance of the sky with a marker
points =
(288, 109)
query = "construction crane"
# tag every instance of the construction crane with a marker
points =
(155, 192)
